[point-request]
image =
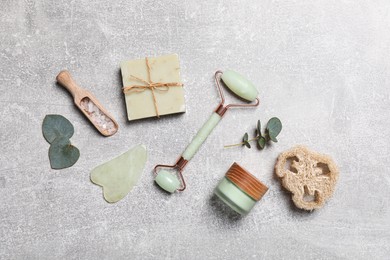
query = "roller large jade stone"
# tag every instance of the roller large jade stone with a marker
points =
(172, 181)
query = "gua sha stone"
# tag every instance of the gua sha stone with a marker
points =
(119, 175)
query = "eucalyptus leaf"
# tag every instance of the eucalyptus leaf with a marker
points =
(272, 130)
(258, 128)
(62, 154)
(54, 126)
(273, 139)
(245, 138)
(261, 142)
(274, 126)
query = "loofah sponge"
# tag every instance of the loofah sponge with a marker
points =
(311, 177)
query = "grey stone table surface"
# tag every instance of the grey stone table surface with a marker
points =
(322, 67)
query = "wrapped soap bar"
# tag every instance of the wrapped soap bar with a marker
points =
(152, 87)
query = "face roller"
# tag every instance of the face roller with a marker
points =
(240, 86)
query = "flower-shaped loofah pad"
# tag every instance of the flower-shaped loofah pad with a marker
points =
(311, 177)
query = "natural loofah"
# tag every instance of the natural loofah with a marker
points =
(311, 177)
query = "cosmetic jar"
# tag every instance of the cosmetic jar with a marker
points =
(240, 190)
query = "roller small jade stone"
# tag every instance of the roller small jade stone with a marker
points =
(240, 190)
(173, 180)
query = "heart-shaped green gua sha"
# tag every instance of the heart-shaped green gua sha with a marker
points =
(57, 130)
(119, 175)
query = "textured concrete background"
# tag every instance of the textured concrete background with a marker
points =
(322, 67)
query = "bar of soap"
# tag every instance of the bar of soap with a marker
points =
(163, 69)
(119, 175)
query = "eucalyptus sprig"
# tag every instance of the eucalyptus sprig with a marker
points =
(272, 130)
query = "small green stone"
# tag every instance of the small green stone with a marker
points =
(167, 181)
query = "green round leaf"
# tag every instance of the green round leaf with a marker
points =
(273, 139)
(274, 126)
(261, 142)
(54, 126)
(62, 154)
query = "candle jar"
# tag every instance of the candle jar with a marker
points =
(240, 190)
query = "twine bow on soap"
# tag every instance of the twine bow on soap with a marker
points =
(149, 84)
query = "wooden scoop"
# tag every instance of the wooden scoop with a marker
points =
(89, 105)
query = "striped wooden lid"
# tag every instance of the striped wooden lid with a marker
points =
(246, 182)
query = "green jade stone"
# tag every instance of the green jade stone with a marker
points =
(119, 175)
(234, 197)
(167, 181)
(240, 85)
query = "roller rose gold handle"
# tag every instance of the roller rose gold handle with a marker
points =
(238, 85)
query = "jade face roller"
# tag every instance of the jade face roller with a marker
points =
(238, 85)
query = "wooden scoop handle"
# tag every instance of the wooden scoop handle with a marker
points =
(66, 80)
